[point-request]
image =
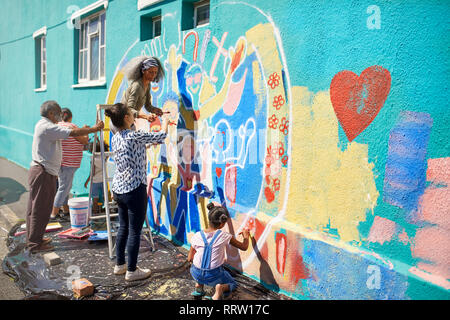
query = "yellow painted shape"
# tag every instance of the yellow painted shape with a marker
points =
(258, 86)
(327, 185)
(115, 87)
(210, 107)
(262, 37)
(207, 91)
(111, 98)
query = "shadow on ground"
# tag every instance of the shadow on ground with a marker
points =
(170, 278)
(10, 190)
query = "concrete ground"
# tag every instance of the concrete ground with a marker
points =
(171, 279)
(13, 201)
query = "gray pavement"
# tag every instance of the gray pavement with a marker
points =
(13, 201)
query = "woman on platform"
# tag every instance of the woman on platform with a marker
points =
(140, 71)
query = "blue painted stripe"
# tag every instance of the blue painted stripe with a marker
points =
(405, 172)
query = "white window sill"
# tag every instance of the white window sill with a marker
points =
(40, 89)
(142, 4)
(88, 84)
(201, 25)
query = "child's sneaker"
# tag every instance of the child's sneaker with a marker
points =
(119, 270)
(138, 274)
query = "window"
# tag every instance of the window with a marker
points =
(40, 58)
(151, 25)
(91, 53)
(156, 26)
(201, 13)
(42, 62)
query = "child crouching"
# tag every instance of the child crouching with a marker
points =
(207, 254)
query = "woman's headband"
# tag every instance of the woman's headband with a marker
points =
(149, 63)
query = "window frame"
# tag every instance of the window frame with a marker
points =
(85, 48)
(40, 58)
(154, 20)
(43, 62)
(197, 6)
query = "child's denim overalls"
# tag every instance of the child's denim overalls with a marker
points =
(207, 276)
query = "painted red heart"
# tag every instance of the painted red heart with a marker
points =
(219, 172)
(358, 100)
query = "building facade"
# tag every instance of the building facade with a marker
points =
(322, 126)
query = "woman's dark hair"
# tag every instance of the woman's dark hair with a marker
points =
(66, 114)
(117, 114)
(217, 215)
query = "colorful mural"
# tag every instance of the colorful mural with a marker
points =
(244, 137)
(329, 142)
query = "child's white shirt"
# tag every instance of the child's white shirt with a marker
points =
(98, 174)
(218, 249)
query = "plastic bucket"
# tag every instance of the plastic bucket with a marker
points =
(78, 208)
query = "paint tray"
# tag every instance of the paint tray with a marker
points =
(75, 233)
(53, 226)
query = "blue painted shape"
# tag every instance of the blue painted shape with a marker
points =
(406, 165)
(157, 189)
(338, 274)
(187, 217)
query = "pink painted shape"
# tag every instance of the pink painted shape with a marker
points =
(435, 202)
(435, 206)
(440, 281)
(234, 96)
(191, 33)
(382, 230)
(439, 170)
(432, 245)
(230, 184)
(220, 51)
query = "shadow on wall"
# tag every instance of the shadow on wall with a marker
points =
(10, 190)
(265, 272)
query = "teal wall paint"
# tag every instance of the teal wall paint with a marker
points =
(318, 40)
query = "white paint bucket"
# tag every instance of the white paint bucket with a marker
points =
(78, 208)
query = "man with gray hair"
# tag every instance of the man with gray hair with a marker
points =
(43, 173)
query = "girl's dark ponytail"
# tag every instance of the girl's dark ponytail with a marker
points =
(217, 215)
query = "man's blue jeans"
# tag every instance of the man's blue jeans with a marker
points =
(132, 210)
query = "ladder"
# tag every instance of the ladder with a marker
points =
(147, 232)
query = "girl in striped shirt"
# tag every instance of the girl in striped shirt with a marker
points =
(72, 153)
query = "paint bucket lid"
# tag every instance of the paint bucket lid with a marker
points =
(74, 202)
